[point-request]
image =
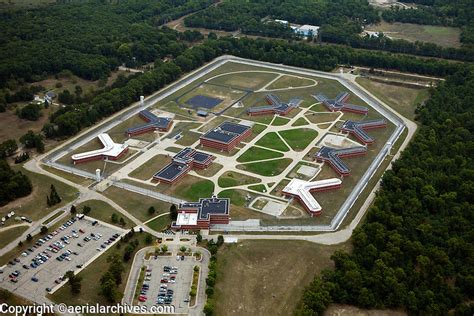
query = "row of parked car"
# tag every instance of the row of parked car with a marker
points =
(165, 294)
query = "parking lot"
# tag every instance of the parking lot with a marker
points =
(178, 276)
(71, 247)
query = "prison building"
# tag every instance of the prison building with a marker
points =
(226, 136)
(301, 190)
(111, 150)
(358, 129)
(181, 164)
(153, 123)
(333, 157)
(202, 214)
(339, 103)
(275, 106)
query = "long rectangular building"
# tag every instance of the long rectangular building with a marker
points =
(153, 123)
(358, 129)
(340, 104)
(275, 106)
(111, 150)
(226, 136)
(202, 214)
(181, 164)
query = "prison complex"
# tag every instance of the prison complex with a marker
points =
(181, 164)
(358, 129)
(302, 190)
(333, 157)
(275, 106)
(339, 103)
(202, 214)
(153, 123)
(111, 150)
(226, 136)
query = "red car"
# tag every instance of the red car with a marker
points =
(164, 280)
(142, 298)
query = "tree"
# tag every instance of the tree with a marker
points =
(164, 248)
(74, 281)
(54, 197)
(108, 287)
(20, 244)
(122, 222)
(13, 184)
(182, 248)
(29, 237)
(199, 237)
(31, 112)
(114, 218)
(151, 210)
(86, 210)
(148, 239)
(173, 212)
(220, 240)
(8, 148)
(43, 230)
(116, 268)
(73, 209)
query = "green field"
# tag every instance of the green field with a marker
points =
(237, 197)
(300, 138)
(11, 234)
(262, 269)
(232, 179)
(159, 224)
(245, 80)
(103, 211)
(280, 121)
(258, 188)
(287, 81)
(257, 153)
(136, 204)
(149, 168)
(266, 168)
(198, 189)
(271, 140)
(402, 99)
(300, 122)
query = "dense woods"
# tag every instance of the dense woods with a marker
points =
(14, 184)
(416, 249)
(88, 38)
(341, 22)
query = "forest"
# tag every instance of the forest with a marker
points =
(14, 184)
(88, 38)
(341, 22)
(415, 250)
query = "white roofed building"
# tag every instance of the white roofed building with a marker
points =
(111, 150)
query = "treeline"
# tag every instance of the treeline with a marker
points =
(457, 13)
(71, 119)
(415, 250)
(14, 184)
(341, 23)
(88, 38)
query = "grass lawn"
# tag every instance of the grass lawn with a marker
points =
(90, 290)
(317, 118)
(256, 130)
(272, 141)
(287, 81)
(267, 168)
(118, 132)
(34, 205)
(262, 269)
(237, 197)
(440, 35)
(232, 179)
(159, 224)
(199, 189)
(280, 121)
(258, 188)
(245, 80)
(136, 204)
(257, 153)
(103, 211)
(300, 138)
(300, 122)
(11, 234)
(51, 218)
(402, 99)
(188, 138)
(149, 168)
(209, 171)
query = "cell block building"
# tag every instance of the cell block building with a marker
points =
(333, 157)
(226, 136)
(340, 104)
(111, 150)
(153, 123)
(275, 106)
(202, 214)
(181, 164)
(302, 190)
(358, 129)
